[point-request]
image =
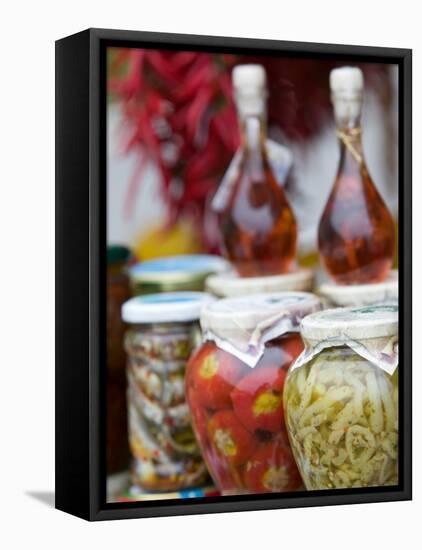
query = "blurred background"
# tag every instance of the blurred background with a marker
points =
(172, 131)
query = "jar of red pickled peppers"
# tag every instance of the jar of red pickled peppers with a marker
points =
(234, 388)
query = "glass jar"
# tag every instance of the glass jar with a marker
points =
(234, 387)
(341, 399)
(116, 416)
(164, 329)
(175, 273)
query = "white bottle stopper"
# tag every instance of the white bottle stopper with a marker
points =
(248, 78)
(346, 85)
(346, 80)
(250, 87)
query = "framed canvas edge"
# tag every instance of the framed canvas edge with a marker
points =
(72, 151)
(98, 510)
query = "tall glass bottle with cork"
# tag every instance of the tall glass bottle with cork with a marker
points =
(257, 224)
(356, 230)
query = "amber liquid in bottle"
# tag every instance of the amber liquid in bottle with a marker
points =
(356, 232)
(258, 226)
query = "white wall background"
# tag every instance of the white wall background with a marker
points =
(147, 208)
(27, 282)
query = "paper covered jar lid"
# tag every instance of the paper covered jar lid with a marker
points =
(353, 323)
(230, 284)
(360, 295)
(243, 325)
(370, 331)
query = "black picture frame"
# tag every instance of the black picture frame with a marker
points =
(80, 273)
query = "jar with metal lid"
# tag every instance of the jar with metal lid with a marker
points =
(234, 387)
(341, 398)
(163, 332)
(116, 417)
(337, 295)
(230, 284)
(174, 273)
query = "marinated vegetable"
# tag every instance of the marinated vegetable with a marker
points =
(214, 376)
(237, 414)
(165, 454)
(232, 440)
(258, 399)
(234, 388)
(342, 419)
(272, 469)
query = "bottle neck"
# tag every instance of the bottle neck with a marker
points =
(251, 110)
(253, 132)
(347, 112)
(350, 140)
(347, 109)
(348, 129)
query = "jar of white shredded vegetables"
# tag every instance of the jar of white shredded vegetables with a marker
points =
(341, 398)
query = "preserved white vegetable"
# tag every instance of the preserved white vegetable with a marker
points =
(341, 415)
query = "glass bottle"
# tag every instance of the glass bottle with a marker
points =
(257, 224)
(356, 231)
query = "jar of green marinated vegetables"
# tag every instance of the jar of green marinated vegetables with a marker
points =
(162, 333)
(341, 398)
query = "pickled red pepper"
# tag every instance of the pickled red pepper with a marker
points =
(236, 399)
